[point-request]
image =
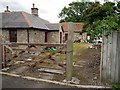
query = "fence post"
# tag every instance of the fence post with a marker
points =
(69, 62)
(110, 59)
(1, 55)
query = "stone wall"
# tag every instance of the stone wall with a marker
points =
(76, 37)
(36, 36)
(53, 37)
(84, 37)
(5, 34)
(22, 36)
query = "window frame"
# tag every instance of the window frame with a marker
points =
(13, 35)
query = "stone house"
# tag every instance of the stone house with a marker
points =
(22, 27)
(78, 36)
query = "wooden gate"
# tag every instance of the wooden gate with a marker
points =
(14, 50)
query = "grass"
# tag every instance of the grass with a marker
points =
(80, 50)
(116, 86)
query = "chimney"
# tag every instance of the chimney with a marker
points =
(34, 10)
(7, 9)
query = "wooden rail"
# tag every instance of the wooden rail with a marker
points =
(6, 45)
(36, 44)
(36, 50)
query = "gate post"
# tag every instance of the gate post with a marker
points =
(69, 62)
(1, 53)
(0, 50)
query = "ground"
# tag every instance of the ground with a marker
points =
(20, 84)
(88, 61)
(86, 64)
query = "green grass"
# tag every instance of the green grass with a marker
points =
(79, 49)
(116, 86)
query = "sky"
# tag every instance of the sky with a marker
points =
(48, 9)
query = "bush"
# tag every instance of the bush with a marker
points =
(116, 86)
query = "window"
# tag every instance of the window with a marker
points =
(46, 36)
(60, 37)
(66, 36)
(13, 35)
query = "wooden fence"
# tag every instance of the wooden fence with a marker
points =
(110, 59)
(17, 48)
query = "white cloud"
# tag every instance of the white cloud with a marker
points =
(48, 9)
(13, 5)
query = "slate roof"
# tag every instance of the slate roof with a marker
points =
(78, 27)
(53, 26)
(25, 20)
(13, 20)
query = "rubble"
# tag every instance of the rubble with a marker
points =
(73, 81)
(5, 69)
(95, 78)
(29, 59)
(19, 62)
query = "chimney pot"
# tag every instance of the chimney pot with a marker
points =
(7, 9)
(34, 10)
(33, 5)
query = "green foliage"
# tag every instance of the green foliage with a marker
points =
(116, 86)
(74, 12)
(108, 24)
(97, 18)
(102, 18)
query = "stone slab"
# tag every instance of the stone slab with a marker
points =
(19, 70)
(54, 71)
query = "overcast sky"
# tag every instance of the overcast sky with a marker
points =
(48, 9)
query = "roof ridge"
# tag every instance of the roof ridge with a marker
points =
(53, 24)
(26, 19)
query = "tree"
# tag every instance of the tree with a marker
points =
(74, 12)
(99, 18)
